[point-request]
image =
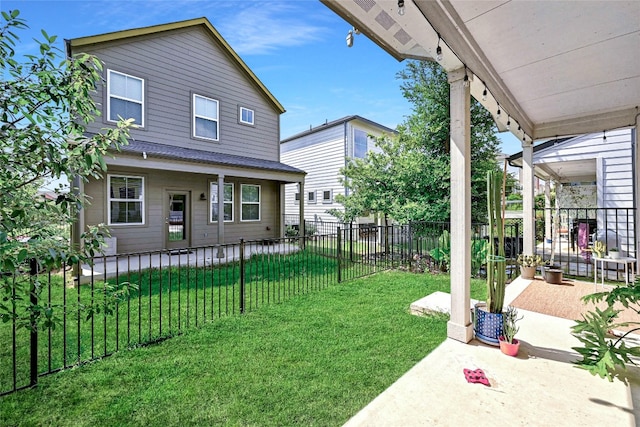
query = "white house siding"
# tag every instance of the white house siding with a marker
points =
(613, 177)
(321, 154)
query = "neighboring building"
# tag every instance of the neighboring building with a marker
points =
(594, 180)
(206, 142)
(321, 152)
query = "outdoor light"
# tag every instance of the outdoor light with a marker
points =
(604, 136)
(438, 50)
(508, 122)
(203, 196)
(466, 78)
(401, 7)
(499, 112)
(350, 38)
(484, 93)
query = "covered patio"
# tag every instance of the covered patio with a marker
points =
(544, 70)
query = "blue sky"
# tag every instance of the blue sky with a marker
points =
(296, 47)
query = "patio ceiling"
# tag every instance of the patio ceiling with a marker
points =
(555, 68)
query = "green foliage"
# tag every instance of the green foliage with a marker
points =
(479, 252)
(530, 260)
(509, 323)
(496, 271)
(604, 354)
(409, 180)
(45, 104)
(442, 252)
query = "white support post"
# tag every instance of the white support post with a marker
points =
(547, 211)
(528, 226)
(459, 326)
(220, 215)
(636, 174)
(302, 231)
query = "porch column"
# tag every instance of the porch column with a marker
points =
(636, 175)
(528, 229)
(220, 215)
(459, 326)
(301, 214)
(547, 211)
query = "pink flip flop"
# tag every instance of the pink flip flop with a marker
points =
(476, 376)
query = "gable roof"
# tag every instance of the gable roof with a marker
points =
(337, 122)
(155, 29)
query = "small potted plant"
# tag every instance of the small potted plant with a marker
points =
(509, 344)
(614, 253)
(528, 265)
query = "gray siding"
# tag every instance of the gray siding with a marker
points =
(151, 235)
(176, 64)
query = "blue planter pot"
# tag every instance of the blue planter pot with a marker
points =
(487, 326)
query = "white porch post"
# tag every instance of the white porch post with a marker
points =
(459, 326)
(301, 229)
(636, 161)
(220, 215)
(547, 211)
(528, 229)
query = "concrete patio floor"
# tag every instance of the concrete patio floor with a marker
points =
(540, 387)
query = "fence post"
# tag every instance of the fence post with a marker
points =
(242, 301)
(33, 299)
(339, 254)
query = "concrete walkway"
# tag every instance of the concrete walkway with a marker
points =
(540, 387)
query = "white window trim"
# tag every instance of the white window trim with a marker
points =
(259, 203)
(327, 201)
(253, 116)
(233, 210)
(195, 115)
(117, 199)
(296, 198)
(109, 95)
(315, 198)
(353, 154)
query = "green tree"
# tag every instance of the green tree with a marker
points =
(44, 104)
(409, 180)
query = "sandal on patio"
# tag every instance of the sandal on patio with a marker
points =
(476, 376)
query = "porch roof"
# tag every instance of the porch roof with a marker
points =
(161, 156)
(552, 68)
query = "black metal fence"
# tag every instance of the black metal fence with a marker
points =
(127, 300)
(566, 237)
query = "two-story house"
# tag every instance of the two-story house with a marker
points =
(322, 151)
(202, 166)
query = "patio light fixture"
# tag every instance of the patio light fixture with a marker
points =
(439, 50)
(466, 77)
(498, 113)
(604, 136)
(401, 7)
(484, 93)
(350, 34)
(508, 122)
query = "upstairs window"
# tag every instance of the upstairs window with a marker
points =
(228, 202)
(250, 201)
(246, 116)
(360, 140)
(311, 197)
(126, 200)
(205, 118)
(126, 97)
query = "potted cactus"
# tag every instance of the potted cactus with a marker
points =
(509, 345)
(488, 316)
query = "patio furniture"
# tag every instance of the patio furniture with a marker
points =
(626, 261)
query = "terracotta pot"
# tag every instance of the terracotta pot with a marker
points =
(510, 349)
(527, 272)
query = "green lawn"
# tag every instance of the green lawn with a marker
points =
(315, 359)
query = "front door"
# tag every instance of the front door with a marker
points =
(177, 220)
